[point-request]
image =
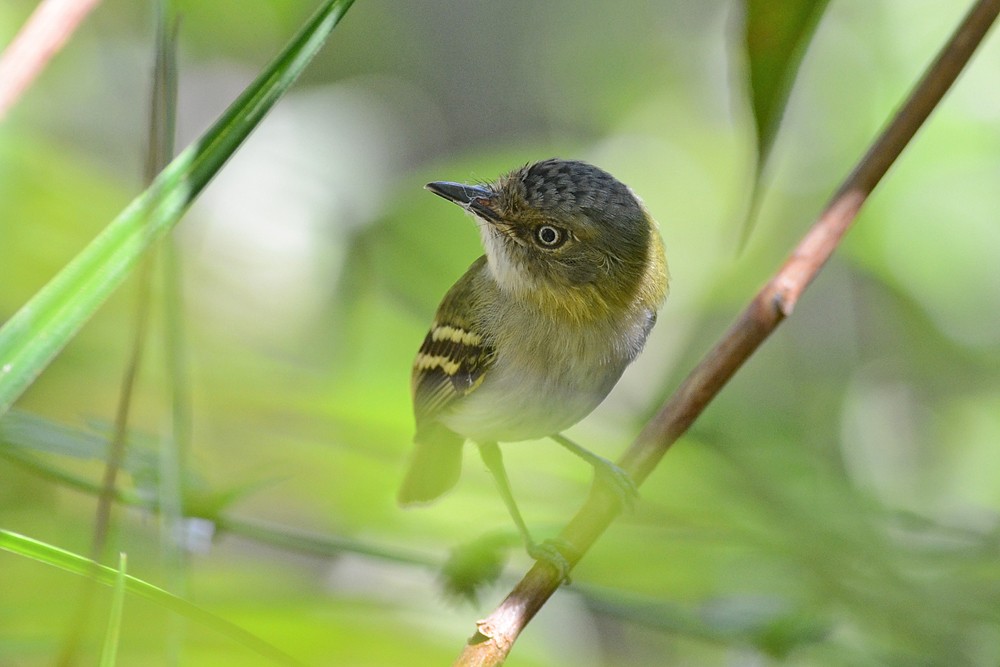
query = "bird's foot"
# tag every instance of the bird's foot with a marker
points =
(611, 475)
(553, 552)
(618, 480)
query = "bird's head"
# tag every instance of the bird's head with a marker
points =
(568, 236)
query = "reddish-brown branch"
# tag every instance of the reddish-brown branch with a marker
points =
(496, 634)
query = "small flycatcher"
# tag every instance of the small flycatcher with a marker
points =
(536, 333)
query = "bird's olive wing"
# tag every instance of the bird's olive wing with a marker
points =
(452, 363)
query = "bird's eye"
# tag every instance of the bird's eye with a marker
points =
(549, 236)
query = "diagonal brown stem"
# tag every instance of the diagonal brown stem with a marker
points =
(496, 634)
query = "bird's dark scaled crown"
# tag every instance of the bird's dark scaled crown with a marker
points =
(556, 184)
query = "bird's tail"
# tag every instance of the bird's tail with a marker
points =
(434, 467)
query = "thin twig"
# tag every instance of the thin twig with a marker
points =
(159, 151)
(48, 28)
(496, 634)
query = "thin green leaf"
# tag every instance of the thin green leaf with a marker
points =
(777, 34)
(71, 562)
(176, 439)
(38, 331)
(109, 652)
(328, 546)
(21, 430)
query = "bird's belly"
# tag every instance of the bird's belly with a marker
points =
(521, 403)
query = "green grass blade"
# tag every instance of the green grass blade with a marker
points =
(38, 331)
(109, 652)
(71, 562)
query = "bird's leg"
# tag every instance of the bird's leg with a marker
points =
(548, 551)
(619, 480)
(494, 461)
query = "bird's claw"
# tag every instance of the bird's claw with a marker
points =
(619, 481)
(552, 552)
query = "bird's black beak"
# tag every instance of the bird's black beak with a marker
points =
(475, 198)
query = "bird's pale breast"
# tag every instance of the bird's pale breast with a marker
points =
(542, 383)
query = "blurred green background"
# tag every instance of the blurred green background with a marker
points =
(836, 505)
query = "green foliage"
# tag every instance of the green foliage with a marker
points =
(62, 559)
(35, 334)
(837, 504)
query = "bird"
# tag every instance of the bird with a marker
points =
(539, 329)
